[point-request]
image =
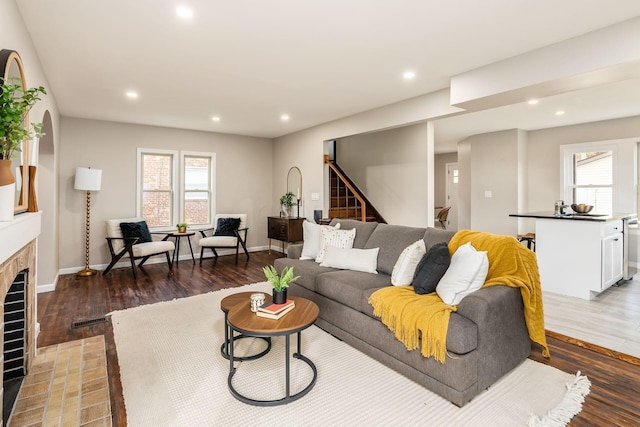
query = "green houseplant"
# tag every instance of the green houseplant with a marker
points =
(280, 282)
(286, 202)
(15, 104)
(182, 227)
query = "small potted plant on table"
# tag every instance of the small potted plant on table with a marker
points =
(280, 283)
(182, 227)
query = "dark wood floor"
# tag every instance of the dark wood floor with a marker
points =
(615, 390)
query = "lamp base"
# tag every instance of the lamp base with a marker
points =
(87, 272)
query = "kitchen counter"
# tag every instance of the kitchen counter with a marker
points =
(576, 216)
(580, 255)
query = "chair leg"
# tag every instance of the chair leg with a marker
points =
(169, 260)
(237, 250)
(201, 254)
(144, 260)
(244, 248)
(214, 252)
(133, 265)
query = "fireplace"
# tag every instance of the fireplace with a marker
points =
(18, 291)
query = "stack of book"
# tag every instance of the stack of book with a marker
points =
(270, 310)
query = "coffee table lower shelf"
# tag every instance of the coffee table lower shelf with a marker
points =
(288, 397)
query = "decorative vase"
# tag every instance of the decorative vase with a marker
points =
(7, 191)
(33, 202)
(279, 297)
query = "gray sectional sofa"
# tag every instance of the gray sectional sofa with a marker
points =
(487, 336)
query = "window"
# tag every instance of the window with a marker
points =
(197, 188)
(170, 192)
(602, 174)
(593, 180)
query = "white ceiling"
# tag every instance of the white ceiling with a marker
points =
(250, 61)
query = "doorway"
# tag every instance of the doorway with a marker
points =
(451, 194)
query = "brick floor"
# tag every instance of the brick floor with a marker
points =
(67, 386)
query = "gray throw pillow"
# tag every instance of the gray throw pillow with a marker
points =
(431, 268)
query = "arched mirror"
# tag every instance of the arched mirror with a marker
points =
(294, 185)
(13, 73)
(294, 182)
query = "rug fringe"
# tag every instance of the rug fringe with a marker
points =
(570, 405)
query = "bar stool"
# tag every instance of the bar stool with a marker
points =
(530, 238)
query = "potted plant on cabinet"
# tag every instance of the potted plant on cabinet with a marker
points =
(15, 103)
(286, 202)
(280, 282)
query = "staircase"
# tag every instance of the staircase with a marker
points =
(346, 200)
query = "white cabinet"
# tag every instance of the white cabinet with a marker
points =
(612, 247)
(579, 257)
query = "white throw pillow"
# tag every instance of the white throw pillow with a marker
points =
(311, 234)
(351, 259)
(337, 238)
(466, 274)
(405, 268)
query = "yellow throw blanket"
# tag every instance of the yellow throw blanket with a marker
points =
(410, 315)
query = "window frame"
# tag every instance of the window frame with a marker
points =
(212, 187)
(139, 183)
(624, 168)
(177, 184)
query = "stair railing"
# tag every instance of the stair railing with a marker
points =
(356, 194)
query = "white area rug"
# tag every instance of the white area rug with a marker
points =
(173, 375)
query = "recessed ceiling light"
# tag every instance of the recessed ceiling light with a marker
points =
(559, 113)
(284, 117)
(532, 101)
(132, 94)
(215, 118)
(184, 12)
(408, 75)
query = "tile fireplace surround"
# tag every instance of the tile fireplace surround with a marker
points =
(17, 253)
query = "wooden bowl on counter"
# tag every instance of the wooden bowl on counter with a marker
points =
(581, 208)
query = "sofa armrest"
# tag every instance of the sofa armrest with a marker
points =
(503, 339)
(294, 251)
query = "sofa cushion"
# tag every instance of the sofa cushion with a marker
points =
(308, 270)
(365, 260)
(312, 236)
(462, 334)
(437, 235)
(330, 236)
(347, 286)
(431, 269)
(405, 267)
(392, 240)
(466, 274)
(363, 229)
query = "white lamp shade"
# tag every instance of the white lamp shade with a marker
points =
(88, 179)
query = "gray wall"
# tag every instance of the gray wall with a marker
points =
(390, 167)
(243, 178)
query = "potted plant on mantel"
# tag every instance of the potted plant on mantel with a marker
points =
(15, 104)
(280, 283)
(286, 202)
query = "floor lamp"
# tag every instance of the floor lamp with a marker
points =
(88, 180)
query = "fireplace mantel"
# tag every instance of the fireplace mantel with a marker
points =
(16, 234)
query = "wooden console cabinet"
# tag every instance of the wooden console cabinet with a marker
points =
(285, 229)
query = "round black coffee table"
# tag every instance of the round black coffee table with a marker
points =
(241, 319)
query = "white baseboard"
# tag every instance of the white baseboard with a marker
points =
(158, 259)
(48, 287)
